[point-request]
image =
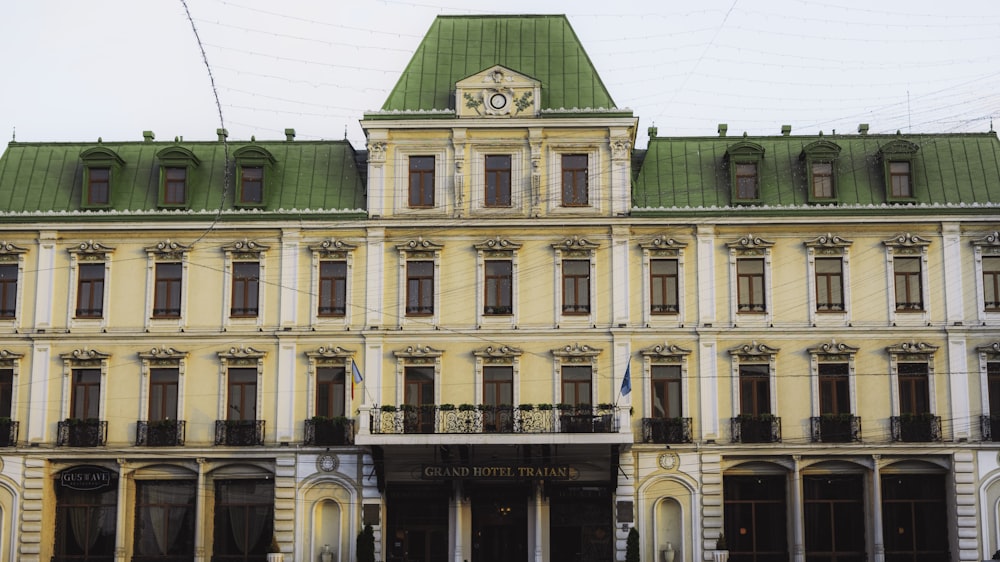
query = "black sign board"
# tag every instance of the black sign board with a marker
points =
(87, 478)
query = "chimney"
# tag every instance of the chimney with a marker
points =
(148, 136)
(289, 135)
(722, 129)
(786, 130)
(222, 134)
(863, 129)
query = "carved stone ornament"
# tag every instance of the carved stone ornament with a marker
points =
(749, 242)
(912, 348)
(992, 349)
(754, 349)
(906, 240)
(246, 247)
(418, 352)
(619, 148)
(664, 350)
(242, 352)
(828, 241)
(576, 243)
(419, 245)
(168, 247)
(498, 352)
(991, 240)
(163, 352)
(91, 248)
(833, 347)
(498, 244)
(663, 245)
(330, 352)
(376, 152)
(9, 248)
(85, 355)
(576, 351)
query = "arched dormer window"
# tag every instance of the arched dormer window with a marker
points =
(897, 161)
(101, 166)
(745, 158)
(820, 158)
(176, 167)
(253, 166)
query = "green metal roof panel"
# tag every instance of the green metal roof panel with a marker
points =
(456, 47)
(693, 172)
(306, 176)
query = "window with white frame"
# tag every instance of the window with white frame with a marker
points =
(420, 186)
(912, 370)
(989, 369)
(10, 363)
(245, 268)
(750, 270)
(332, 262)
(754, 384)
(84, 373)
(497, 386)
(11, 286)
(496, 263)
(330, 387)
(575, 373)
(418, 376)
(906, 264)
(163, 384)
(832, 366)
(166, 296)
(419, 281)
(665, 366)
(575, 280)
(576, 185)
(662, 262)
(240, 384)
(90, 266)
(987, 260)
(829, 289)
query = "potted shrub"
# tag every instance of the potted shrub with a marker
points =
(274, 551)
(721, 552)
(632, 546)
(365, 545)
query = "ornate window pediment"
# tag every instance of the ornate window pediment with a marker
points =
(501, 353)
(498, 92)
(665, 352)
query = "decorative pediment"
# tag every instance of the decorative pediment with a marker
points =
(576, 244)
(991, 239)
(253, 154)
(177, 156)
(498, 92)
(11, 251)
(498, 352)
(85, 355)
(576, 351)
(419, 246)
(664, 350)
(163, 352)
(822, 150)
(90, 248)
(898, 148)
(828, 241)
(992, 350)
(333, 248)
(749, 243)
(242, 352)
(246, 249)
(833, 347)
(906, 240)
(498, 244)
(912, 348)
(663, 246)
(9, 358)
(168, 248)
(745, 149)
(754, 350)
(101, 156)
(330, 352)
(418, 352)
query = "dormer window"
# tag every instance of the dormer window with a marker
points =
(253, 164)
(897, 160)
(821, 165)
(744, 169)
(176, 167)
(99, 167)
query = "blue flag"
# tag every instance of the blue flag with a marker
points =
(627, 381)
(356, 380)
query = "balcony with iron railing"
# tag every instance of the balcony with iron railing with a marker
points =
(990, 427)
(835, 428)
(329, 432)
(160, 433)
(239, 433)
(666, 430)
(756, 428)
(916, 428)
(525, 420)
(76, 432)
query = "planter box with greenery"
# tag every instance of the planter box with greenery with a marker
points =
(835, 428)
(329, 431)
(666, 430)
(76, 432)
(8, 432)
(159, 433)
(239, 433)
(916, 428)
(756, 428)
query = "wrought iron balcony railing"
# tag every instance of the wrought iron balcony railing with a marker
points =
(525, 418)
(160, 433)
(329, 431)
(756, 429)
(75, 432)
(990, 427)
(239, 433)
(835, 428)
(8, 432)
(916, 428)
(666, 430)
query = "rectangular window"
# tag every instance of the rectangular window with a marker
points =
(663, 286)
(755, 511)
(244, 520)
(914, 392)
(746, 180)
(85, 524)
(163, 385)
(499, 288)
(419, 288)
(899, 179)
(834, 389)
(991, 283)
(167, 290)
(251, 185)
(576, 386)
(85, 397)
(576, 286)
(175, 186)
(418, 394)
(907, 281)
(6, 392)
(242, 394)
(498, 386)
(164, 520)
(755, 390)
(666, 391)
(497, 181)
(993, 387)
(330, 388)
(246, 286)
(915, 517)
(8, 290)
(421, 181)
(332, 288)
(98, 186)
(822, 180)
(834, 513)
(90, 290)
(750, 285)
(829, 285)
(575, 180)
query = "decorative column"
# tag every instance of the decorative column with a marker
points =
(798, 524)
(199, 514)
(876, 502)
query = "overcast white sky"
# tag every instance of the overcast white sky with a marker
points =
(76, 71)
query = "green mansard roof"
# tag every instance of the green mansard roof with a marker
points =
(543, 47)
(692, 174)
(310, 177)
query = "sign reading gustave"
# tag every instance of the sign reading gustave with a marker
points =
(514, 472)
(87, 478)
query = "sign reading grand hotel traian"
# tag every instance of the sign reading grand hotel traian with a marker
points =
(499, 472)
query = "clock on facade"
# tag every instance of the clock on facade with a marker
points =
(326, 462)
(498, 101)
